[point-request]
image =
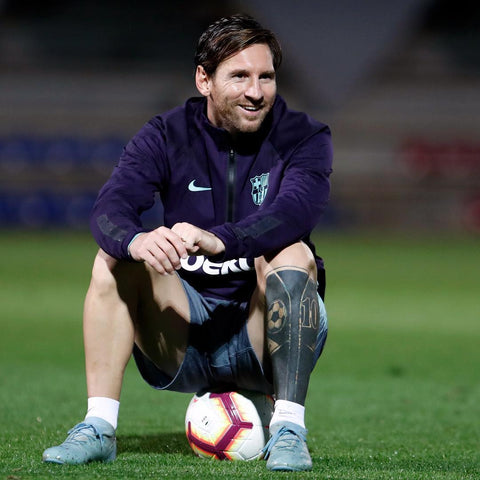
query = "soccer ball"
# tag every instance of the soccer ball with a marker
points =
(229, 425)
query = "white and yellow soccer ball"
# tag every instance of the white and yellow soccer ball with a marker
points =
(229, 425)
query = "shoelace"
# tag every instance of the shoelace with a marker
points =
(72, 433)
(274, 439)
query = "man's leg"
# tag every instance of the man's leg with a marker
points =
(287, 283)
(126, 303)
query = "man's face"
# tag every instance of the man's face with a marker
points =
(242, 90)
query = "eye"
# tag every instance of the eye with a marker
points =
(267, 76)
(238, 74)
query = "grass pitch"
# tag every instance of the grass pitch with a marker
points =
(396, 394)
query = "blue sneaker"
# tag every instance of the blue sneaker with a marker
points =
(89, 441)
(287, 448)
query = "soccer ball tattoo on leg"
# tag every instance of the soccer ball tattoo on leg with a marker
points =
(293, 319)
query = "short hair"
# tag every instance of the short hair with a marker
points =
(228, 36)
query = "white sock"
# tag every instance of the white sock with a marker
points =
(286, 411)
(105, 408)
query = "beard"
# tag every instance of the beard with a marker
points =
(235, 119)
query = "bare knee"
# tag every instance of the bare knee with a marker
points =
(295, 256)
(108, 274)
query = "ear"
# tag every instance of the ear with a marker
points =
(202, 81)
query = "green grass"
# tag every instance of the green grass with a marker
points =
(396, 394)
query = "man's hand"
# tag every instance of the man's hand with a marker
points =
(198, 241)
(163, 247)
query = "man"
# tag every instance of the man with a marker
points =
(225, 294)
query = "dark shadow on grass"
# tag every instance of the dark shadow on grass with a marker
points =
(174, 442)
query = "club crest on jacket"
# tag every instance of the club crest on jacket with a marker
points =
(259, 188)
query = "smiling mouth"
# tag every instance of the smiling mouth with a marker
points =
(251, 108)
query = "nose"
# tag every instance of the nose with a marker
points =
(254, 90)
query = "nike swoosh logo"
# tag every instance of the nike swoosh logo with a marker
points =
(193, 188)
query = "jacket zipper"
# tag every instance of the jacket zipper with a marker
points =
(231, 185)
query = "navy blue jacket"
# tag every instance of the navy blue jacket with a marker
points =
(263, 193)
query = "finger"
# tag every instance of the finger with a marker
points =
(167, 253)
(190, 236)
(153, 262)
(192, 249)
(166, 256)
(175, 239)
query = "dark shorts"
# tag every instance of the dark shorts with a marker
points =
(219, 355)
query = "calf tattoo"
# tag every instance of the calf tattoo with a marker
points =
(293, 319)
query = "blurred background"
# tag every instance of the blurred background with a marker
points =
(398, 82)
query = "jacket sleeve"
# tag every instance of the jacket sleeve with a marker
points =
(130, 190)
(294, 212)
